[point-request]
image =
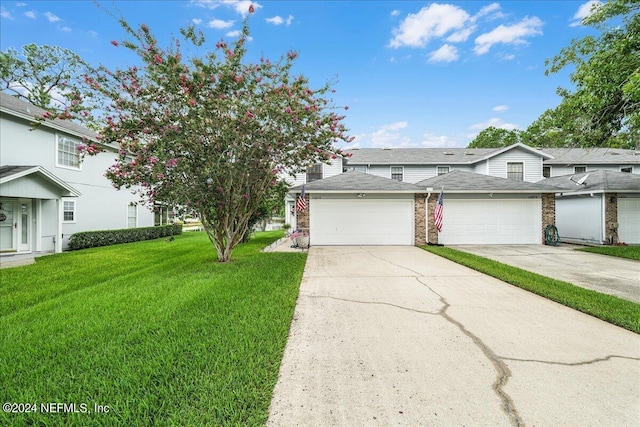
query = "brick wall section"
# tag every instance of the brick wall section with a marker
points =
(548, 211)
(420, 215)
(302, 219)
(432, 236)
(610, 214)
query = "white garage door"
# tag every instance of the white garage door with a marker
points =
(513, 221)
(629, 220)
(361, 222)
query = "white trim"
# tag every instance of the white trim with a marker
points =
(58, 243)
(38, 216)
(443, 166)
(136, 217)
(515, 163)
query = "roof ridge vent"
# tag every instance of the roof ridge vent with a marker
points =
(447, 153)
(387, 148)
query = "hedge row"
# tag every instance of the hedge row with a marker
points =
(91, 239)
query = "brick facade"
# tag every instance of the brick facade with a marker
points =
(302, 218)
(419, 216)
(548, 212)
(432, 234)
(610, 216)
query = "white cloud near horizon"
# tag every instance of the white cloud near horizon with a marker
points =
(433, 140)
(508, 34)
(30, 14)
(584, 11)
(446, 53)
(387, 136)
(500, 108)
(240, 6)
(496, 123)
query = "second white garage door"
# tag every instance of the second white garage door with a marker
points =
(629, 220)
(492, 221)
(361, 221)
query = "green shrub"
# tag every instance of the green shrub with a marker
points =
(92, 239)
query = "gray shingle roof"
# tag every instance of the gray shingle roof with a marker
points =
(427, 156)
(7, 171)
(469, 182)
(12, 105)
(584, 156)
(598, 180)
(357, 181)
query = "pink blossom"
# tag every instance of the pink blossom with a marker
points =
(192, 102)
(46, 115)
(157, 59)
(251, 9)
(288, 110)
(172, 163)
(250, 115)
(346, 107)
(114, 42)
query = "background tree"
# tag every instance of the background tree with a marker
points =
(493, 137)
(213, 134)
(49, 77)
(604, 108)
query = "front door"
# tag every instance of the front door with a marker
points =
(15, 225)
(8, 226)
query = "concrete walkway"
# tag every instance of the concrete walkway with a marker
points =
(602, 273)
(397, 336)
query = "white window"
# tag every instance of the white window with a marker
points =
(68, 211)
(441, 170)
(397, 173)
(579, 169)
(362, 169)
(314, 173)
(67, 153)
(515, 171)
(626, 169)
(132, 215)
(546, 171)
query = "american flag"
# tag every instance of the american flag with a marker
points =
(437, 214)
(301, 203)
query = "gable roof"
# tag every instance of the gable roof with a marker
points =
(468, 182)
(9, 104)
(10, 173)
(349, 182)
(429, 156)
(584, 156)
(596, 181)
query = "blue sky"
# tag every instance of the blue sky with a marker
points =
(413, 73)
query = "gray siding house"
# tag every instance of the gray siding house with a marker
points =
(46, 192)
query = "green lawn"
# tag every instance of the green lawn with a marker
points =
(631, 252)
(609, 308)
(157, 331)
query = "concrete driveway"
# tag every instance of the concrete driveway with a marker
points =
(397, 336)
(609, 275)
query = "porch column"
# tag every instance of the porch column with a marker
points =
(610, 217)
(58, 244)
(548, 212)
(420, 219)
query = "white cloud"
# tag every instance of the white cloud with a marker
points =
(66, 29)
(508, 34)
(435, 20)
(496, 123)
(584, 11)
(395, 12)
(488, 10)
(196, 21)
(433, 140)
(462, 35)
(5, 13)
(21, 4)
(278, 20)
(51, 17)
(30, 14)
(500, 108)
(219, 24)
(446, 53)
(389, 135)
(235, 33)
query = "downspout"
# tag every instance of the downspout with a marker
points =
(603, 229)
(58, 242)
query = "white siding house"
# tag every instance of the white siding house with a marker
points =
(47, 192)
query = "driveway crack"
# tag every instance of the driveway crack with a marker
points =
(586, 362)
(375, 303)
(502, 370)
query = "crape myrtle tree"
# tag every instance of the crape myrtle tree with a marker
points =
(213, 134)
